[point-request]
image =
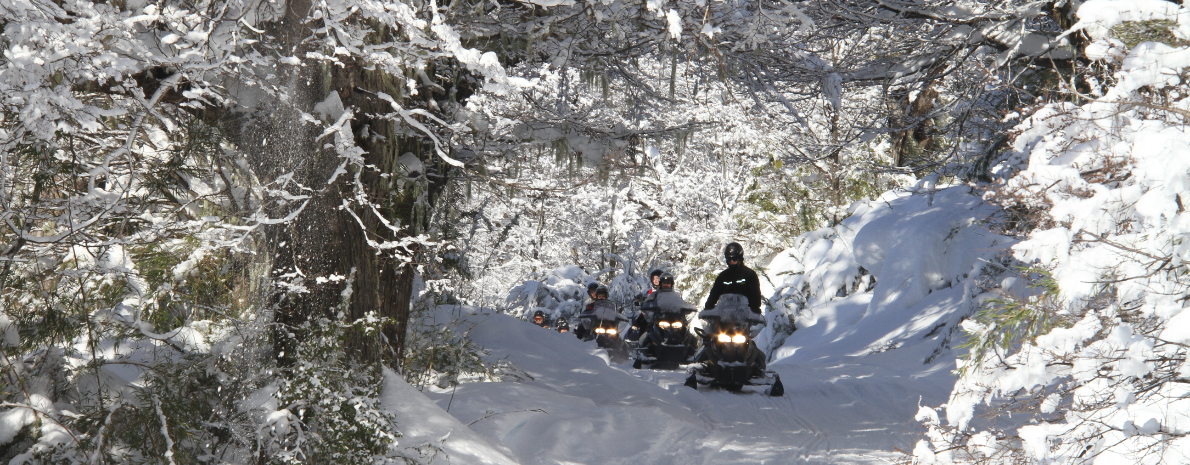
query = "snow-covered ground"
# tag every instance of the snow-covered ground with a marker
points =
(574, 406)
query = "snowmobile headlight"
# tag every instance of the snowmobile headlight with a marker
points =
(724, 338)
(739, 339)
(663, 324)
(600, 330)
(677, 325)
(611, 331)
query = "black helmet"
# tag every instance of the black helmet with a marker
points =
(666, 278)
(538, 313)
(733, 251)
(602, 291)
(592, 287)
(653, 275)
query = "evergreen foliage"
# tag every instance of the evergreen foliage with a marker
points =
(1003, 323)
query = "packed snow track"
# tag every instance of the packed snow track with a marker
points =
(573, 406)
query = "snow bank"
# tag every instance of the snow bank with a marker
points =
(428, 430)
(899, 271)
(917, 244)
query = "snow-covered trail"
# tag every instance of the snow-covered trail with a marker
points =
(575, 407)
(866, 355)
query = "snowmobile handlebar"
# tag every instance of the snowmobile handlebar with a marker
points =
(593, 317)
(751, 322)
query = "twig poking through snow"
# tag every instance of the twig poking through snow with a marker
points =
(491, 414)
(169, 443)
(95, 455)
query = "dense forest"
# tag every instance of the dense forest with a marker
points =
(226, 224)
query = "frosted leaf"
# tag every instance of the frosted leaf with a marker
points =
(927, 416)
(674, 22)
(710, 30)
(8, 332)
(922, 454)
(330, 109)
(832, 89)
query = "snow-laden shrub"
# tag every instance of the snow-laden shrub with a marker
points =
(1005, 322)
(325, 408)
(1099, 375)
(438, 351)
(559, 293)
(109, 368)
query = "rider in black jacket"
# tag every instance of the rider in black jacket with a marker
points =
(736, 279)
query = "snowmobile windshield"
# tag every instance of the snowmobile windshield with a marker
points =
(671, 302)
(732, 309)
(603, 310)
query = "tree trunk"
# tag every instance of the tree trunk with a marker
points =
(395, 332)
(327, 239)
(383, 282)
(915, 132)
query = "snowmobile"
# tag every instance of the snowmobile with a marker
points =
(603, 322)
(668, 341)
(667, 344)
(730, 358)
(608, 336)
(638, 328)
(645, 313)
